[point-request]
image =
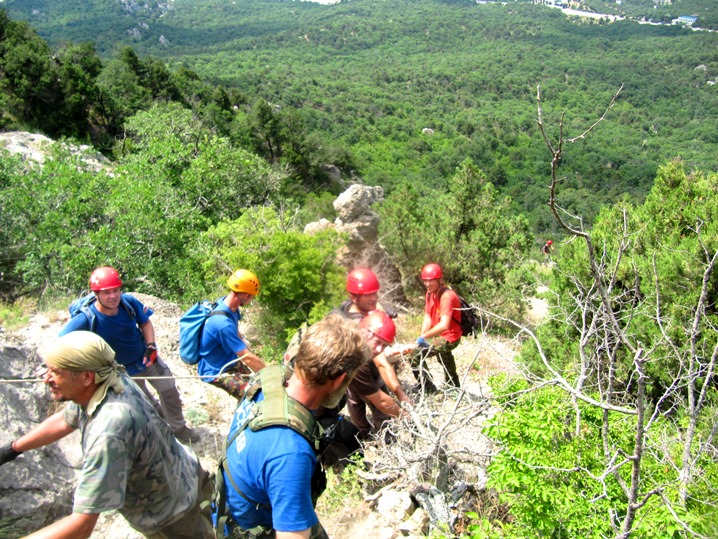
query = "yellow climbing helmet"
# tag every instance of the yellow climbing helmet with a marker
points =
(245, 281)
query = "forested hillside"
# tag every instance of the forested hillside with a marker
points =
(372, 77)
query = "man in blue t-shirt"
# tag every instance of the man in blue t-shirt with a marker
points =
(224, 357)
(124, 323)
(273, 466)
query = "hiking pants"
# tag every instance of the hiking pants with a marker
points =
(444, 352)
(170, 405)
(196, 523)
(317, 532)
(357, 406)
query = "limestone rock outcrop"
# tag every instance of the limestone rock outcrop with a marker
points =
(357, 219)
(34, 149)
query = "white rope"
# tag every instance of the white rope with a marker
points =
(189, 377)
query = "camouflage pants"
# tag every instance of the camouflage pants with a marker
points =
(236, 385)
(195, 523)
(235, 532)
(444, 352)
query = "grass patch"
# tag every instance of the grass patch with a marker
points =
(197, 416)
(343, 491)
(16, 315)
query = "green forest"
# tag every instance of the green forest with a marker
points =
(364, 79)
(491, 127)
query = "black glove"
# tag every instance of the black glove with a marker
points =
(7, 453)
(150, 353)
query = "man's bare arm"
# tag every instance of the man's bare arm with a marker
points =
(388, 374)
(47, 432)
(250, 360)
(74, 526)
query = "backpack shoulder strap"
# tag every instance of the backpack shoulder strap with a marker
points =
(443, 289)
(128, 306)
(82, 306)
(279, 409)
(215, 311)
(86, 310)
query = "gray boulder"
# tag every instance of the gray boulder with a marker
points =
(34, 149)
(36, 488)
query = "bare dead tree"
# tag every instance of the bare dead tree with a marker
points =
(603, 311)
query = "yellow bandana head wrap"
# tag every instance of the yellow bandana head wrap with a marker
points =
(87, 351)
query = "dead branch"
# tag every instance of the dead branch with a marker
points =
(558, 379)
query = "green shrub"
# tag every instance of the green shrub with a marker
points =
(299, 279)
(470, 231)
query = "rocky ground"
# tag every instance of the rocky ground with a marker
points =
(405, 467)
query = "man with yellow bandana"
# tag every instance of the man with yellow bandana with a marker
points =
(132, 463)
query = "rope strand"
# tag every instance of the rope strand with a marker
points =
(189, 377)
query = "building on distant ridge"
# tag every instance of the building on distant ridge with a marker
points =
(688, 20)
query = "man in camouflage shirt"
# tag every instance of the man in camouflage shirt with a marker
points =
(131, 461)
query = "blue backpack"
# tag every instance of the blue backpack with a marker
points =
(191, 325)
(82, 306)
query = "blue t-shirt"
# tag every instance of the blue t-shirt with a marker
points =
(220, 342)
(121, 332)
(272, 466)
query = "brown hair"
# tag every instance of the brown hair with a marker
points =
(331, 347)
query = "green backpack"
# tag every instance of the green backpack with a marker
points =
(277, 409)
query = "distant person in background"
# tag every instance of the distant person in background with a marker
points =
(222, 348)
(546, 249)
(131, 462)
(124, 323)
(442, 323)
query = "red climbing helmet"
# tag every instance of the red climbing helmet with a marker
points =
(362, 281)
(105, 278)
(549, 242)
(380, 324)
(431, 271)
